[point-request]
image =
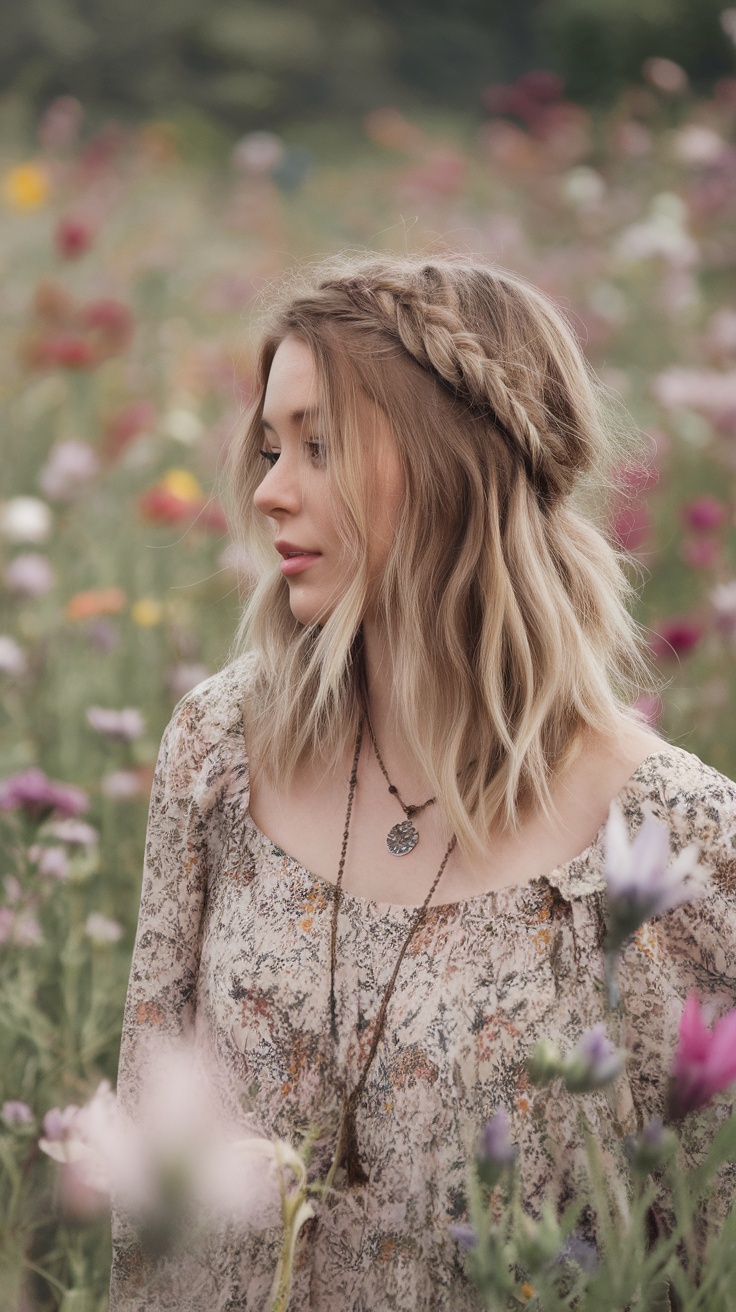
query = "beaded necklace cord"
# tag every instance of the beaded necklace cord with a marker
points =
(347, 1153)
(403, 837)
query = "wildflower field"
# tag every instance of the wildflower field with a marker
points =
(132, 273)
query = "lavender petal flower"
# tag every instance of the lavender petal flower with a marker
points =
(640, 881)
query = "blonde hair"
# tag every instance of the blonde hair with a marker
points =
(505, 605)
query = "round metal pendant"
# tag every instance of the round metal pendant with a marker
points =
(402, 838)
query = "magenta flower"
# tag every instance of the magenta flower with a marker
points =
(704, 514)
(676, 637)
(640, 881)
(33, 792)
(705, 1060)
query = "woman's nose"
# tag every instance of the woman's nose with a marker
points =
(279, 490)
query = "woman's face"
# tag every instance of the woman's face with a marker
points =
(296, 492)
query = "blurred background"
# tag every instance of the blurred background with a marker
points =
(160, 161)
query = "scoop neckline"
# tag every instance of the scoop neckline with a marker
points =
(476, 899)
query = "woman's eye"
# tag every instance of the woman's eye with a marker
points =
(316, 450)
(270, 456)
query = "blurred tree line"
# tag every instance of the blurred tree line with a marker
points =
(256, 63)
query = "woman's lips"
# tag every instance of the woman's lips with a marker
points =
(295, 564)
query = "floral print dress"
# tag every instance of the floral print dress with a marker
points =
(233, 940)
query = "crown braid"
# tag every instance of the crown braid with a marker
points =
(434, 333)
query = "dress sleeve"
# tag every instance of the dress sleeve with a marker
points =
(163, 978)
(689, 949)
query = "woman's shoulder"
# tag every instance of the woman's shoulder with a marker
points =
(695, 800)
(212, 710)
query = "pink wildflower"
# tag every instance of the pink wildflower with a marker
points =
(33, 792)
(675, 637)
(705, 1060)
(70, 466)
(29, 575)
(125, 725)
(704, 514)
(12, 657)
(15, 1112)
(72, 238)
(51, 862)
(102, 930)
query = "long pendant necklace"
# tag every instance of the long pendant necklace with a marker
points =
(347, 1153)
(403, 837)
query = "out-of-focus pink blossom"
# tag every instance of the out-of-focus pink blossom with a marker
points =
(120, 784)
(442, 173)
(180, 679)
(704, 514)
(124, 725)
(640, 881)
(59, 126)
(258, 153)
(675, 637)
(73, 832)
(25, 519)
(29, 575)
(695, 389)
(697, 144)
(72, 237)
(705, 1060)
(33, 792)
(71, 465)
(665, 75)
(20, 927)
(58, 1127)
(700, 553)
(12, 657)
(51, 862)
(102, 930)
(15, 1112)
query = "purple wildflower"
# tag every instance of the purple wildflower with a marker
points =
(594, 1062)
(70, 465)
(464, 1234)
(640, 882)
(33, 792)
(651, 1147)
(496, 1152)
(52, 862)
(15, 1112)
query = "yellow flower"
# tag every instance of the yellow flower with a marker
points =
(26, 187)
(146, 612)
(180, 483)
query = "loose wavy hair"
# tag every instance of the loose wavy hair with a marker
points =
(505, 603)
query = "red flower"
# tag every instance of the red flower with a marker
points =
(162, 507)
(72, 237)
(69, 350)
(676, 637)
(134, 418)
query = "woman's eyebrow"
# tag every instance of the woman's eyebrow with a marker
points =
(296, 417)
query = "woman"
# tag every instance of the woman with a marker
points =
(374, 868)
